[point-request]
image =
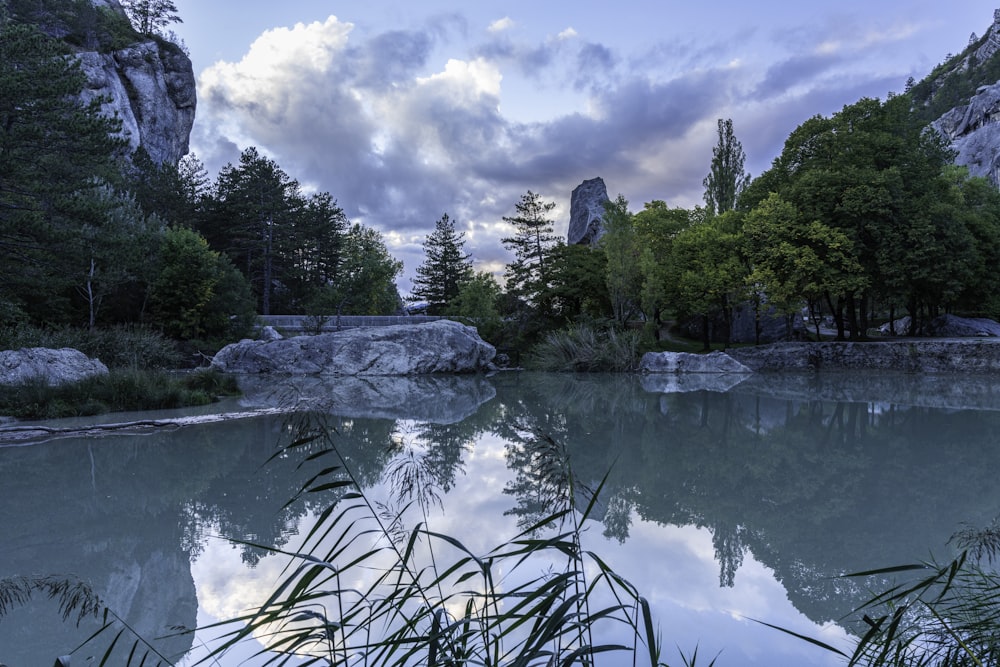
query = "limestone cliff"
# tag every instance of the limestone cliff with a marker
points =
(148, 81)
(961, 100)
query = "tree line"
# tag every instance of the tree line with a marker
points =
(91, 235)
(861, 219)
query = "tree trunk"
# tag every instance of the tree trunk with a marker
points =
(706, 340)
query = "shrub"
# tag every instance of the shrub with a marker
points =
(585, 348)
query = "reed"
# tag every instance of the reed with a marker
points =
(585, 348)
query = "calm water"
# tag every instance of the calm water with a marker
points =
(722, 506)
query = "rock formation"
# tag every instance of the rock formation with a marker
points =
(974, 134)
(148, 83)
(151, 86)
(587, 212)
(443, 346)
(54, 367)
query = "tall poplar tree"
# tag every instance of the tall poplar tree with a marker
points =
(726, 179)
(446, 267)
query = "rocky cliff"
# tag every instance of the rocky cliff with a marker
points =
(961, 100)
(147, 81)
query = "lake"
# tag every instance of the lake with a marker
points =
(722, 505)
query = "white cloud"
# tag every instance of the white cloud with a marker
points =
(506, 23)
(568, 33)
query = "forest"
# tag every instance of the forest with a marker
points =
(861, 219)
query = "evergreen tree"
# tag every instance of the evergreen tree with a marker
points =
(727, 179)
(533, 241)
(150, 17)
(54, 149)
(446, 267)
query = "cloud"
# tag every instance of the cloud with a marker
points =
(400, 128)
(500, 25)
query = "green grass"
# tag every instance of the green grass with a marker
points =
(121, 390)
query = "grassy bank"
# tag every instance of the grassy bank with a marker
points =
(120, 391)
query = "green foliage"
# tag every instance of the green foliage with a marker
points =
(621, 248)
(528, 275)
(54, 149)
(477, 304)
(585, 348)
(79, 23)
(116, 347)
(445, 268)
(727, 178)
(121, 390)
(151, 17)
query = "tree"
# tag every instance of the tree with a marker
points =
(54, 149)
(252, 220)
(184, 284)
(477, 302)
(656, 227)
(150, 17)
(621, 247)
(726, 179)
(528, 276)
(366, 284)
(446, 267)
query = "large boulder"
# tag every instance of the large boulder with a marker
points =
(586, 212)
(443, 346)
(54, 367)
(685, 362)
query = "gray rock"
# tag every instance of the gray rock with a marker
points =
(951, 326)
(974, 134)
(586, 212)
(443, 346)
(55, 367)
(269, 333)
(681, 383)
(948, 326)
(151, 86)
(685, 362)
(437, 399)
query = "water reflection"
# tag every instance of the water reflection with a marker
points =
(804, 485)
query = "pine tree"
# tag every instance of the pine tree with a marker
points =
(533, 241)
(727, 179)
(150, 17)
(446, 267)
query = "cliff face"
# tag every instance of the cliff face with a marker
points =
(970, 84)
(148, 82)
(151, 87)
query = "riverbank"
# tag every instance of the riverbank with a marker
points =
(911, 355)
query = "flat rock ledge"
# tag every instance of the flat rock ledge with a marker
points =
(54, 367)
(442, 346)
(980, 356)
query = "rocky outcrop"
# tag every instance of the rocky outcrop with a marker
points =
(150, 85)
(586, 212)
(443, 346)
(685, 362)
(947, 326)
(54, 367)
(973, 133)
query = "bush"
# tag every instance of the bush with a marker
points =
(117, 347)
(585, 348)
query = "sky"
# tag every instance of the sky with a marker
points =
(407, 111)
